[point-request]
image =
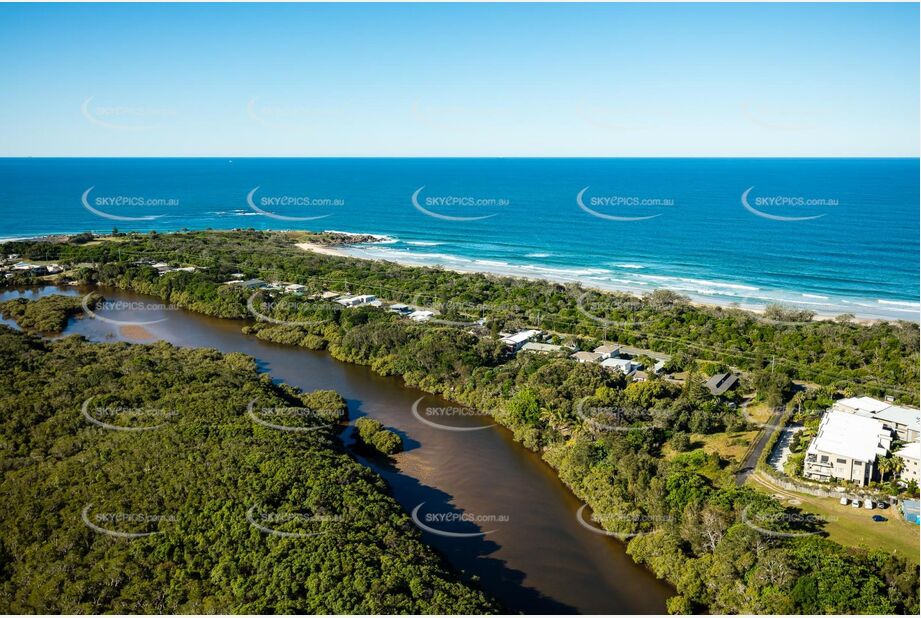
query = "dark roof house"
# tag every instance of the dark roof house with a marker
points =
(722, 382)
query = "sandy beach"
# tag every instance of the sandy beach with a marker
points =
(351, 251)
(322, 249)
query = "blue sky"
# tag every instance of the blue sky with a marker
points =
(460, 80)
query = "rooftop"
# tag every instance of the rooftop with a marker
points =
(874, 408)
(902, 416)
(625, 365)
(541, 347)
(864, 403)
(849, 435)
(586, 357)
(520, 336)
(722, 382)
(910, 451)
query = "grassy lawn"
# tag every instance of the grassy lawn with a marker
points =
(853, 527)
(758, 412)
(729, 446)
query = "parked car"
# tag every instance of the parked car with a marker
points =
(856, 503)
(844, 500)
(882, 505)
(868, 504)
(879, 518)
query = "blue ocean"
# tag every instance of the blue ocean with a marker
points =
(831, 235)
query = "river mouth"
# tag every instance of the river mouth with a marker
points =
(492, 508)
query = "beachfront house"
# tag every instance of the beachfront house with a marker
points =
(421, 316)
(356, 301)
(250, 284)
(608, 350)
(905, 422)
(722, 383)
(516, 340)
(586, 357)
(910, 455)
(26, 266)
(623, 365)
(845, 448)
(295, 288)
(400, 309)
(541, 348)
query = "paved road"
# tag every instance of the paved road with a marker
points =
(748, 466)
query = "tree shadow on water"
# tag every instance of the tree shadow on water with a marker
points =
(462, 541)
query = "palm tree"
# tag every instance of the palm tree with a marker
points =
(557, 420)
(884, 465)
(897, 465)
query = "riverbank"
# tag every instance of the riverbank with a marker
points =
(204, 509)
(625, 470)
(539, 561)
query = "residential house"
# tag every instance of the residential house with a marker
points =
(421, 316)
(722, 383)
(355, 301)
(910, 455)
(295, 288)
(541, 348)
(623, 365)
(517, 340)
(845, 447)
(586, 357)
(608, 350)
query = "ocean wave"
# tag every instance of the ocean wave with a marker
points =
(490, 263)
(632, 266)
(675, 281)
(236, 212)
(417, 257)
(423, 243)
(538, 255)
(900, 303)
(819, 296)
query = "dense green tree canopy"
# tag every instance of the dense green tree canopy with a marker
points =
(249, 513)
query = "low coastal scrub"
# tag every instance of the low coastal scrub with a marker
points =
(156, 480)
(373, 434)
(726, 549)
(875, 359)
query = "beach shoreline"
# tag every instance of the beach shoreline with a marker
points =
(356, 245)
(346, 250)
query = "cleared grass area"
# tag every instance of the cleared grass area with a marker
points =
(758, 412)
(849, 526)
(729, 446)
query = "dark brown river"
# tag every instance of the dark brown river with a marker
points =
(492, 508)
